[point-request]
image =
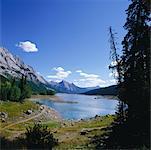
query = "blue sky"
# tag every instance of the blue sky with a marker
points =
(64, 39)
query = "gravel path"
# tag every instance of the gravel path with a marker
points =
(46, 112)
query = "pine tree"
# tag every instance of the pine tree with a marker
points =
(116, 68)
(24, 88)
(39, 137)
(136, 71)
(134, 85)
(14, 93)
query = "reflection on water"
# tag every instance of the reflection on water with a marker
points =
(86, 106)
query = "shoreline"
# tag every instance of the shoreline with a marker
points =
(55, 114)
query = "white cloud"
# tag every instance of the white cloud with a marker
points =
(88, 80)
(82, 80)
(27, 46)
(78, 71)
(60, 74)
(89, 75)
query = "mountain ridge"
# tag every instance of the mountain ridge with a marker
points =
(66, 87)
(12, 65)
(110, 90)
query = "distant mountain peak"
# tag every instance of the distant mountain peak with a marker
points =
(66, 87)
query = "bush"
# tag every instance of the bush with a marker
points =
(39, 137)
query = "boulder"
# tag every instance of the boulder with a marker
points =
(3, 120)
(41, 107)
(3, 115)
(28, 112)
(83, 132)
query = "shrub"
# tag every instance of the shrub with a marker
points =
(39, 137)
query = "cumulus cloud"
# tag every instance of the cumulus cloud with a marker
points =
(78, 71)
(82, 80)
(89, 75)
(60, 74)
(27, 46)
(88, 80)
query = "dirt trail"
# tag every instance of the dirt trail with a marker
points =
(25, 120)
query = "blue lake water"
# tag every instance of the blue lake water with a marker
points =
(83, 106)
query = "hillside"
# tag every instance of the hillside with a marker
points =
(15, 67)
(111, 90)
(12, 67)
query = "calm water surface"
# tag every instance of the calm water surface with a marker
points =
(83, 106)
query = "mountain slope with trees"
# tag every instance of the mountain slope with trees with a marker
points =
(110, 90)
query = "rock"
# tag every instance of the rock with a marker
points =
(96, 116)
(3, 120)
(55, 132)
(28, 112)
(41, 107)
(83, 132)
(3, 115)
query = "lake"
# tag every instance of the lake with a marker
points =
(76, 106)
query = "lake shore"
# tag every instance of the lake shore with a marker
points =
(77, 106)
(71, 134)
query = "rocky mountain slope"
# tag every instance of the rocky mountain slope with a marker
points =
(14, 66)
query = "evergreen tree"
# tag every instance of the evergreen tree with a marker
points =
(134, 81)
(24, 88)
(136, 71)
(5, 91)
(116, 69)
(39, 137)
(14, 93)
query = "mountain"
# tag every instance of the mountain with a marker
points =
(15, 67)
(12, 66)
(110, 90)
(66, 87)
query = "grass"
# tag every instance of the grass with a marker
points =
(68, 134)
(70, 137)
(52, 124)
(15, 109)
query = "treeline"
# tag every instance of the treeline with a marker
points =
(41, 89)
(13, 89)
